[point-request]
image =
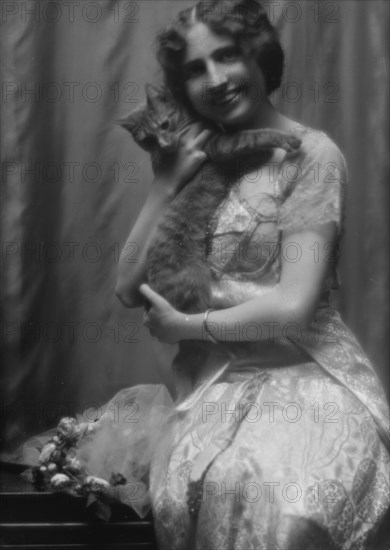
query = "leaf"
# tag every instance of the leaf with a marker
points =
(91, 498)
(102, 510)
(28, 475)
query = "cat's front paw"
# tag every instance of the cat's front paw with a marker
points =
(291, 143)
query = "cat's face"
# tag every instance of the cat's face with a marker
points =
(155, 124)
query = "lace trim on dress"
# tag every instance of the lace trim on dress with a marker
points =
(314, 186)
(313, 183)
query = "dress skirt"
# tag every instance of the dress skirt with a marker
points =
(268, 450)
(277, 457)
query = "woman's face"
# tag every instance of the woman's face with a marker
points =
(222, 84)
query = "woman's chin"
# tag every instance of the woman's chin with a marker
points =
(236, 119)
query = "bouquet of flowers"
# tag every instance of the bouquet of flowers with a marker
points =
(60, 469)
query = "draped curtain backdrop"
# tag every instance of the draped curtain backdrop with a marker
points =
(73, 183)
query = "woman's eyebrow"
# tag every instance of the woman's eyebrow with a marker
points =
(214, 53)
(191, 62)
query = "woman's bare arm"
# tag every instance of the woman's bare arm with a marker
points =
(292, 300)
(132, 274)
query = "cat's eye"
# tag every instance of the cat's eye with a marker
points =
(165, 125)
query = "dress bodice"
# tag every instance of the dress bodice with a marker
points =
(246, 238)
(304, 189)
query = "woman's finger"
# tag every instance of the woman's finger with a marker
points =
(153, 297)
(192, 131)
(201, 140)
(146, 291)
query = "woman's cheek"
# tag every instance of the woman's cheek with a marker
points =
(194, 94)
(196, 90)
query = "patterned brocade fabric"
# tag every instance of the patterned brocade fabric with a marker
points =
(299, 466)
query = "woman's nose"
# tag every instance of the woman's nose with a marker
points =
(217, 77)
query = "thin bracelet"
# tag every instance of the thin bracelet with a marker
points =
(205, 327)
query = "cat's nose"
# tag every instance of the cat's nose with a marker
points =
(164, 143)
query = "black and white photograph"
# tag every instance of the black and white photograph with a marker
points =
(194, 282)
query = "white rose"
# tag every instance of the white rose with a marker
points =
(96, 484)
(68, 428)
(59, 480)
(47, 452)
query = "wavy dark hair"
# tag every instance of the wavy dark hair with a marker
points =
(246, 21)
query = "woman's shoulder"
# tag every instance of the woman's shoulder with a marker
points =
(312, 182)
(318, 146)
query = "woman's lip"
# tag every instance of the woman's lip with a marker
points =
(227, 97)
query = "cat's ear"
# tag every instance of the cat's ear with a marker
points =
(154, 97)
(129, 123)
(125, 123)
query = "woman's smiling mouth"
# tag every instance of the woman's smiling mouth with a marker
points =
(227, 98)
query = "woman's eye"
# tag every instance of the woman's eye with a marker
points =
(193, 71)
(230, 55)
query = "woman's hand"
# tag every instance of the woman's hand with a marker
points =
(163, 321)
(178, 168)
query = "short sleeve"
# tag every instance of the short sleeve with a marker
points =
(313, 184)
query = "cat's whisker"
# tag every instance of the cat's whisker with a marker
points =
(187, 121)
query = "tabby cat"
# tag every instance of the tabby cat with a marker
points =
(176, 259)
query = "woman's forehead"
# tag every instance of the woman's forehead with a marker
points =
(201, 41)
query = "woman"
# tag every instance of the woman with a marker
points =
(279, 440)
(277, 436)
